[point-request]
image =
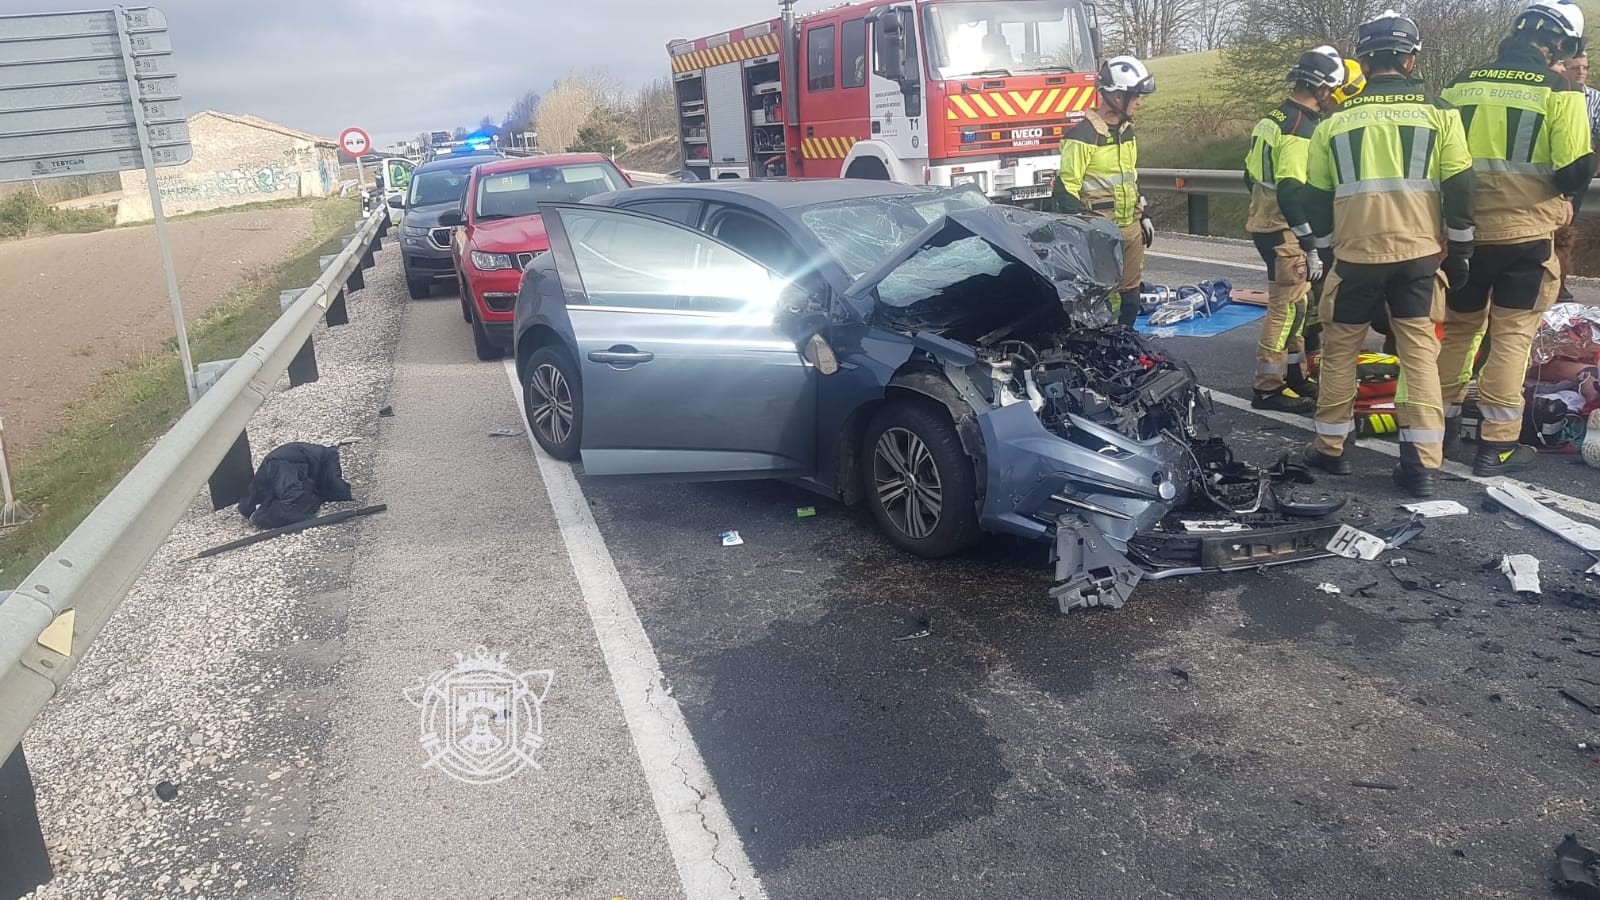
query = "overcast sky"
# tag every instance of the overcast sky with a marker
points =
(399, 67)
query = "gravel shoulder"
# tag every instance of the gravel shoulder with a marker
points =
(76, 306)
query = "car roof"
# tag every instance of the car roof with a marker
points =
(518, 163)
(786, 193)
(455, 162)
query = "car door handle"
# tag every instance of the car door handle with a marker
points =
(621, 356)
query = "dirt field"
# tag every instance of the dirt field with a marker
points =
(75, 306)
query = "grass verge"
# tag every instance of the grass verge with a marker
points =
(130, 408)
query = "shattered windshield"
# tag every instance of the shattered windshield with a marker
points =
(861, 233)
(1007, 37)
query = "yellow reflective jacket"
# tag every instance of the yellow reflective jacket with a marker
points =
(1390, 175)
(1528, 132)
(1275, 171)
(1098, 170)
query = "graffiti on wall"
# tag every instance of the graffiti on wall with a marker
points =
(267, 180)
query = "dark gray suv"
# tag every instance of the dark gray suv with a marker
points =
(436, 188)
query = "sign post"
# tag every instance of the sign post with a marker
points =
(355, 142)
(83, 93)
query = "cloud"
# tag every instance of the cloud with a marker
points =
(400, 67)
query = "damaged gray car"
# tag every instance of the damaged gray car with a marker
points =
(948, 362)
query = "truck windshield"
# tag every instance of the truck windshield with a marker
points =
(1007, 37)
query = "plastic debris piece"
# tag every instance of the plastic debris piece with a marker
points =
(1434, 509)
(1329, 588)
(731, 539)
(505, 432)
(805, 512)
(1577, 869)
(386, 412)
(1399, 561)
(1353, 543)
(1523, 571)
(1580, 534)
(921, 629)
(1180, 673)
(1196, 526)
(1376, 785)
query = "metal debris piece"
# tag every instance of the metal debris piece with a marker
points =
(1577, 869)
(1434, 509)
(330, 519)
(1523, 571)
(1353, 543)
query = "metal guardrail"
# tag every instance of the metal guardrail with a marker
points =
(1199, 185)
(83, 581)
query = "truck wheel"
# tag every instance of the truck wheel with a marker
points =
(919, 482)
(869, 168)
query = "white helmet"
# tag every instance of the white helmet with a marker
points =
(1561, 16)
(1126, 74)
(1319, 67)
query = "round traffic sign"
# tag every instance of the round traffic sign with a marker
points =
(355, 142)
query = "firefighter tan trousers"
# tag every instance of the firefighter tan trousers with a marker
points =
(1282, 341)
(1125, 302)
(1351, 296)
(1507, 292)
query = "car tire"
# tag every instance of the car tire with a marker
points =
(419, 288)
(485, 348)
(552, 375)
(466, 306)
(912, 439)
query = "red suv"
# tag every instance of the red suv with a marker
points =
(499, 231)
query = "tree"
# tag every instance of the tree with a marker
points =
(1215, 24)
(597, 138)
(460, 132)
(1147, 28)
(567, 108)
(521, 115)
(653, 111)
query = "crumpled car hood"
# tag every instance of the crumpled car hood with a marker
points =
(973, 271)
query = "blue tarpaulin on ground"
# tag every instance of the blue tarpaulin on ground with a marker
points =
(1225, 319)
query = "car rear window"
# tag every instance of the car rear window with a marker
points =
(518, 193)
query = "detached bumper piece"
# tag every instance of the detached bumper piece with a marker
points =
(1089, 570)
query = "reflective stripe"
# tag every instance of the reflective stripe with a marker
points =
(1107, 181)
(1302, 230)
(1334, 429)
(1460, 235)
(1271, 369)
(1344, 157)
(1422, 435)
(1417, 167)
(1522, 144)
(1387, 186)
(1500, 413)
(1450, 412)
(1294, 358)
(1323, 242)
(1505, 167)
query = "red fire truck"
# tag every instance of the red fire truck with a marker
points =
(942, 92)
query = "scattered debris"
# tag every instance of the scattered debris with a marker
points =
(793, 572)
(1591, 651)
(1353, 543)
(1211, 525)
(1577, 869)
(1365, 590)
(1329, 588)
(922, 628)
(292, 483)
(1523, 572)
(1180, 674)
(386, 412)
(346, 441)
(1399, 561)
(304, 524)
(1376, 785)
(506, 432)
(166, 791)
(1434, 509)
(1587, 703)
(731, 539)
(1582, 535)
(805, 512)
(1514, 526)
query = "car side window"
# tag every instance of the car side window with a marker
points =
(632, 262)
(819, 58)
(756, 238)
(684, 212)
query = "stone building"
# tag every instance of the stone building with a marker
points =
(237, 160)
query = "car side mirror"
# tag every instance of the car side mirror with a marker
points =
(819, 354)
(397, 202)
(1094, 40)
(452, 219)
(889, 45)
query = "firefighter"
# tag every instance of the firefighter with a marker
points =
(1354, 82)
(1275, 172)
(1098, 171)
(1528, 132)
(1392, 187)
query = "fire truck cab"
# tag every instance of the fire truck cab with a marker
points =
(945, 92)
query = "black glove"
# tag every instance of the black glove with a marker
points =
(1457, 264)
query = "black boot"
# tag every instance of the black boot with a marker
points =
(1502, 458)
(1415, 480)
(1333, 465)
(1283, 399)
(1452, 434)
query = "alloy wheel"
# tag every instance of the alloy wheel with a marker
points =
(552, 403)
(907, 481)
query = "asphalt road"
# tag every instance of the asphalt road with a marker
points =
(1247, 735)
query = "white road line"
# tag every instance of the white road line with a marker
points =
(705, 847)
(1574, 505)
(1261, 267)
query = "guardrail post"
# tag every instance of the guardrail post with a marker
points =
(303, 368)
(368, 260)
(1199, 214)
(337, 313)
(24, 859)
(230, 483)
